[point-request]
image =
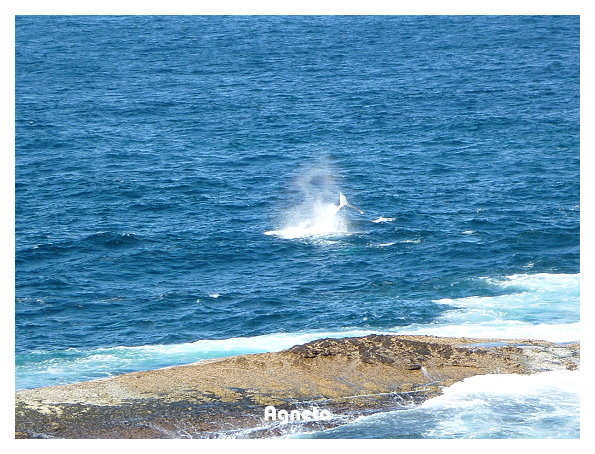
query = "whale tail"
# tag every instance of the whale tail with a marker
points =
(344, 203)
(342, 200)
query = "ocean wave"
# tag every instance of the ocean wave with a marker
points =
(415, 241)
(534, 298)
(383, 219)
(544, 405)
(89, 242)
(536, 306)
(503, 329)
(390, 243)
(43, 368)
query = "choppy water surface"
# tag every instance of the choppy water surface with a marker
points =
(178, 180)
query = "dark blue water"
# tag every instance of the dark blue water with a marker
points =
(153, 153)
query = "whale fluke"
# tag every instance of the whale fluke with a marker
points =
(344, 203)
(342, 200)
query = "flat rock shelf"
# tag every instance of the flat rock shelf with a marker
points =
(226, 397)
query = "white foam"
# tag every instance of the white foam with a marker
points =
(510, 385)
(392, 243)
(544, 405)
(552, 298)
(383, 219)
(537, 306)
(502, 329)
(540, 282)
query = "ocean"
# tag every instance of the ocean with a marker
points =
(178, 182)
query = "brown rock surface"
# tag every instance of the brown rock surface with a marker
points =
(226, 397)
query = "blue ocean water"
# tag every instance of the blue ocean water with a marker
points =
(177, 181)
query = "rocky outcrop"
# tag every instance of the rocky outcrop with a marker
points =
(226, 397)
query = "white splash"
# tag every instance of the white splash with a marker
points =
(316, 219)
(320, 213)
